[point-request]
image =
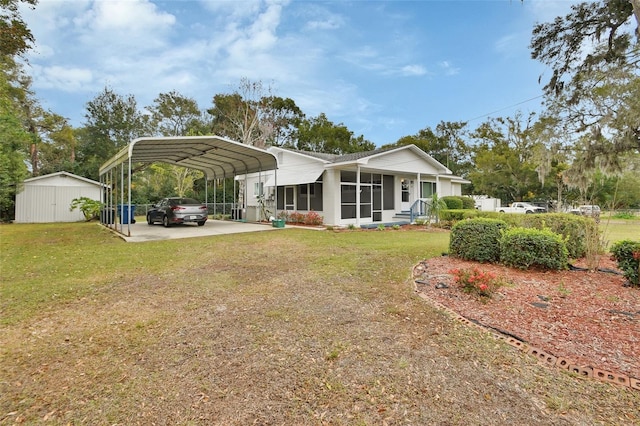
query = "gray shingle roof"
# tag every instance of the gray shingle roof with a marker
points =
(336, 158)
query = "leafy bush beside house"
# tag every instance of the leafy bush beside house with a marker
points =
(90, 208)
(575, 230)
(453, 202)
(477, 239)
(627, 254)
(468, 203)
(525, 248)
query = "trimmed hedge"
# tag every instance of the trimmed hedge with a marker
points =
(524, 248)
(468, 203)
(457, 202)
(477, 239)
(575, 230)
(452, 215)
(453, 202)
(511, 219)
(627, 254)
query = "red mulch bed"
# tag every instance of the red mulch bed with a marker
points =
(589, 318)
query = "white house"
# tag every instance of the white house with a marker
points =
(363, 188)
(48, 198)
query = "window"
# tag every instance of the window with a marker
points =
(258, 189)
(427, 189)
(388, 194)
(307, 196)
(348, 201)
(315, 197)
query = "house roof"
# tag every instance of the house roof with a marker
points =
(65, 174)
(216, 156)
(364, 156)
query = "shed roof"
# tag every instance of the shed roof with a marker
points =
(62, 174)
(216, 156)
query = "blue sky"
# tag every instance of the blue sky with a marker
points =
(385, 69)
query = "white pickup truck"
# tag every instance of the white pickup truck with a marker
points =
(522, 208)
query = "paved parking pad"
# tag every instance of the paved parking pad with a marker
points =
(141, 232)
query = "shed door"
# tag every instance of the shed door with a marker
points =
(42, 204)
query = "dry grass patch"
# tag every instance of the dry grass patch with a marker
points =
(291, 327)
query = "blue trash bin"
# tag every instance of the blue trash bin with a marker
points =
(126, 212)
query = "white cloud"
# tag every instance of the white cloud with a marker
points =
(123, 26)
(233, 10)
(61, 78)
(319, 18)
(412, 70)
(448, 68)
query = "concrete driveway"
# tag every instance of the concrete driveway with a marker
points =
(141, 232)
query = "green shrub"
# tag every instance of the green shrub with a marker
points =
(477, 239)
(468, 203)
(453, 202)
(510, 219)
(524, 248)
(452, 214)
(624, 215)
(89, 208)
(471, 214)
(627, 254)
(575, 230)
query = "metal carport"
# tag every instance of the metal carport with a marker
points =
(216, 156)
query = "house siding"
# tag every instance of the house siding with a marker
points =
(401, 162)
(410, 164)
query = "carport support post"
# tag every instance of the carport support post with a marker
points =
(130, 210)
(275, 193)
(121, 195)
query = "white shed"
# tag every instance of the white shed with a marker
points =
(48, 198)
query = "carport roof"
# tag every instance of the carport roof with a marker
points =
(216, 156)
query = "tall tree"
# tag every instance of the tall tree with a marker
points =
(594, 88)
(503, 157)
(112, 121)
(239, 116)
(254, 116)
(15, 37)
(13, 142)
(284, 116)
(173, 114)
(58, 144)
(319, 134)
(447, 144)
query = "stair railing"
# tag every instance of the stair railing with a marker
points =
(419, 208)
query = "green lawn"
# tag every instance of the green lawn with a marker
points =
(617, 229)
(287, 327)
